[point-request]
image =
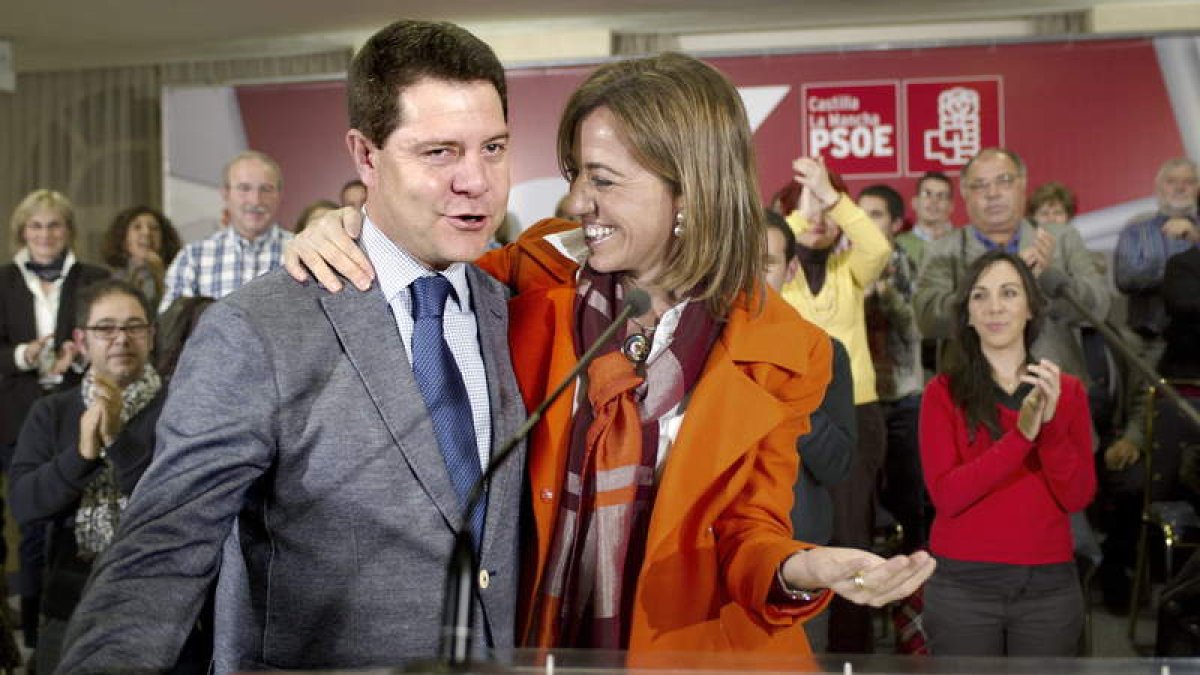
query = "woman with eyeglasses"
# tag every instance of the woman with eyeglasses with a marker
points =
(37, 312)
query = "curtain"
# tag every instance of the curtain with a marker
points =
(642, 44)
(96, 136)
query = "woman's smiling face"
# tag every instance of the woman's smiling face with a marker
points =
(627, 211)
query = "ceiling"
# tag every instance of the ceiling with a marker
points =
(63, 34)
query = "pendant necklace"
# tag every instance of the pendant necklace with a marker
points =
(636, 347)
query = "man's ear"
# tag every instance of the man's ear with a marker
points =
(897, 225)
(793, 267)
(363, 153)
(80, 337)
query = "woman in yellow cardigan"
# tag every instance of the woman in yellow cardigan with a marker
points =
(841, 253)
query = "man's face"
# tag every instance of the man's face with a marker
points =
(778, 270)
(995, 195)
(1177, 189)
(117, 338)
(251, 197)
(1051, 213)
(439, 183)
(876, 209)
(933, 202)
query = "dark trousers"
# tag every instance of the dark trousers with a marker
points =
(993, 609)
(854, 501)
(903, 493)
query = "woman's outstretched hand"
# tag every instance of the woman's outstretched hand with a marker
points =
(859, 576)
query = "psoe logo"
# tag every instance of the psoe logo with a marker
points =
(949, 120)
(957, 136)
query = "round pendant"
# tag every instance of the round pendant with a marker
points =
(636, 348)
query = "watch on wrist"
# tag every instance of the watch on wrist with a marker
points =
(796, 594)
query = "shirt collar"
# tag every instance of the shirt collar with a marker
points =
(1013, 245)
(267, 237)
(923, 233)
(396, 268)
(22, 256)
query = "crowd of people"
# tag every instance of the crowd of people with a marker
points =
(285, 491)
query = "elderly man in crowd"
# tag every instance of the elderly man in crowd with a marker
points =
(252, 245)
(993, 186)
(1139, 265)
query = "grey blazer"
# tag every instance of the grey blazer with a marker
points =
(295, 438)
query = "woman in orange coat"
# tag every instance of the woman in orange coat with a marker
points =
(662, 483)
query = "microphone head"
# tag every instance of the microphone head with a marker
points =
(637, 302)
(1053, 282)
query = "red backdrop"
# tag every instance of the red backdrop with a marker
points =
(1093, 115)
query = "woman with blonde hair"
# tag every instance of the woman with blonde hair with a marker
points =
(661, 485)
(37, 314)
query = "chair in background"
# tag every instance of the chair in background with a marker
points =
(1170, 439)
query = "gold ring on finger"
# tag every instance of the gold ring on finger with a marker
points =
(860, 582)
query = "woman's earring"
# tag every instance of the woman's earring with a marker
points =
(678, 224)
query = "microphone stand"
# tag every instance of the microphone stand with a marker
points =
(458, 609)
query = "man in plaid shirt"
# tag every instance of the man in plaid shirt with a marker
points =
(252, 244)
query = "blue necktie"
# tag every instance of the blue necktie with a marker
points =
(445, 394)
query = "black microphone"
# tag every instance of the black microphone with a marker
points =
(462, 570)
(1056, 284)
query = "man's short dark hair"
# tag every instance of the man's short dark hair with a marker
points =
(774, 221)
(893, 200)
(405, 53)
(93, 293)
(934, 175)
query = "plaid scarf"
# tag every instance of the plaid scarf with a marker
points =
(586, 597)
(101, 503)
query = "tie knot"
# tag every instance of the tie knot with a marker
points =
(429, 296)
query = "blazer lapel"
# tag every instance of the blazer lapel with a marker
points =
(507, 409)
(364, 324)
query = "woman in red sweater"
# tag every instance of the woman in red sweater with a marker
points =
(1006, 451)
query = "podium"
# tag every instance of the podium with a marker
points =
(601, 662)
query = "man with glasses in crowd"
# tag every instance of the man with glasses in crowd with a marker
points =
(933, 203)
(81, 450)
(993, 186)
(251, 246)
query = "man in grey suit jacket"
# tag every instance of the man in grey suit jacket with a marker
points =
(298, 459)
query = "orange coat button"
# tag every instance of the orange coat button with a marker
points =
(547, 494)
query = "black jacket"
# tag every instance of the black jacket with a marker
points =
(18, 388)
(48, 476)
